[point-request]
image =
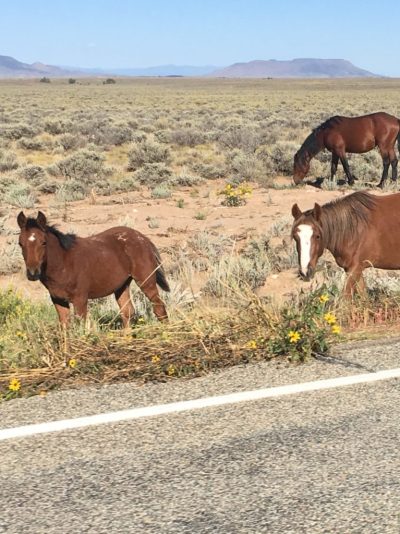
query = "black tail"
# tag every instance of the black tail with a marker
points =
(398, 137)
(161, 280)
(160, 274)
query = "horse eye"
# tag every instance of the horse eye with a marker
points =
(317, 237)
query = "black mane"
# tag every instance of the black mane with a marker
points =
(312, 145)
(67, 241)
(329, 123)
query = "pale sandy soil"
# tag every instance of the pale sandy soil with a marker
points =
(263, 209)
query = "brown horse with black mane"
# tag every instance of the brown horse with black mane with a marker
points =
(351, 134)
(75, 269)
(360, 230)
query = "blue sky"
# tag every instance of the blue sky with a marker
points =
(131, 33)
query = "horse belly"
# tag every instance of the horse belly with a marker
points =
(105, 275)
(362, 145)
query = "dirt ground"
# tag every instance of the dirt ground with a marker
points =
(202, 210)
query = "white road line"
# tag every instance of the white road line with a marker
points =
(196, 404)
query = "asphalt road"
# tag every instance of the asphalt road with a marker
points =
(318, 462)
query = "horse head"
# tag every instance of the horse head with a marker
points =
(301, 166)
(32, 240)
(307, 233)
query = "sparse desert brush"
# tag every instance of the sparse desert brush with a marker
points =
(127, 183)
(11, 258)
(20, 195)
(16, 131)
(69, 141)
(33, 174)
(147, 152)
(186, 137)
(247, 167)
(244, 137)
(153, 174)
(84, 165)
(32, 143)
(161, 191)
(184, 179)
(8, 161)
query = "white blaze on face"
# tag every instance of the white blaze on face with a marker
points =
(32, 237)
(305, 233)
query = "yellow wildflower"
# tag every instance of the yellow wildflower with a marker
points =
(171, 370)
(336, 329)
(294, 336)
(324, 298)
(156, 358)
(252, 344)
(73, 363)
(14, 385)
(330, 318)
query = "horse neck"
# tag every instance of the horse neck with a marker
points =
(313, 144)
(332, 242)
(55, 257)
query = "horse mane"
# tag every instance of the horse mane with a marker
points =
(329, 123)
(344, 219)
(67, 241)
(311, 144)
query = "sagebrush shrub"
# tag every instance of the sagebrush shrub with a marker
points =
(152, 174)
(148, 152)
(84, 165)
(8, 161)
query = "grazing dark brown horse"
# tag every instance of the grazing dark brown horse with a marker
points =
(75, 269)
(351, 134)
(360, 230)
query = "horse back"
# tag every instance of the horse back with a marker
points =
(361, 134)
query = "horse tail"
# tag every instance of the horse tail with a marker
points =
(398, 137)
(160, 273)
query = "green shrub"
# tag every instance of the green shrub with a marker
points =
(161, 191)
(147, 152)
(84, 165)
(8, 161)
(152, 174)
(21, 195)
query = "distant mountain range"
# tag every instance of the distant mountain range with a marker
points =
(296, 68)
(12, 68)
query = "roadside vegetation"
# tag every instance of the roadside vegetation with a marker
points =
(67, 142)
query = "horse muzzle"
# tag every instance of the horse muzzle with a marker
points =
(33, 274)
(308, 275)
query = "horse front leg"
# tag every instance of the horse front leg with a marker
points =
(80, 305)
(334, 165)
(346, 167)
(355, 283)
(62, 309)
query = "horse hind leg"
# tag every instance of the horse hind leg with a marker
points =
(393, 163)
(386, 163)
(149, 288)
(126, 308)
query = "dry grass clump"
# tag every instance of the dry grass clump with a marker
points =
(36, 356)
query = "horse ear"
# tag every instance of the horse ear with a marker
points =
(317, 211)
(296, 212)
(41, 220)
(21, 219)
